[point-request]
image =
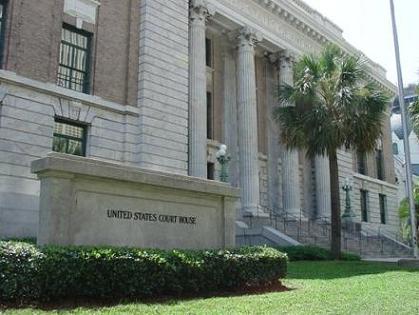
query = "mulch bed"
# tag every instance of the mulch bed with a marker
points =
(73, 303)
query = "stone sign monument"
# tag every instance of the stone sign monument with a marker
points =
(90, 202)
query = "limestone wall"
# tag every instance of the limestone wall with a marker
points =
(374, 188)
(26, 132)
(163, 85)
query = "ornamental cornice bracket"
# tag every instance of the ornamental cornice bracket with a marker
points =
(200, 9)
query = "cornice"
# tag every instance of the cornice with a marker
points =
(320, 29)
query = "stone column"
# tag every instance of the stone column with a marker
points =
(247, 122)
(199, 12)
(273, 135)
(323, 198)
(230, 110)
(291, 190)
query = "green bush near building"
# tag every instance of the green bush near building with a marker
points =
(313, 253)
(32, 273)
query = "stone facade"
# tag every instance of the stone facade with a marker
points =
(149, 87)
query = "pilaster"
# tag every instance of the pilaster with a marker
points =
(163, 109)
(199, 12)
(230, 110)
(274, 190)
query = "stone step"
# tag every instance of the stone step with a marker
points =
(317, 233)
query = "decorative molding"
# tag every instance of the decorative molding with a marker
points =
(74, 110)
(365, 180)
(82, 10)
(3, 93)
(249, 36)
(297, 26)
(287, 57)
(59, 92)
(200, 10)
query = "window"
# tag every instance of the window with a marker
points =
(383, 208)
(395, 149)
(364, 205)
(379, 160)
(362, 163)
(74, 59)
(210, 118)
(3, 4)
(211, 171)
(69, 137)
(208, 52)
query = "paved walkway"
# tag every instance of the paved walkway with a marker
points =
(402, 262)
(387, 260)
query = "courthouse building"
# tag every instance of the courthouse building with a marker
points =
(160, 85)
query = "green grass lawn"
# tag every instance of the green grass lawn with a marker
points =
(315, 288)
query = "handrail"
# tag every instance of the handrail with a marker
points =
(319, 228)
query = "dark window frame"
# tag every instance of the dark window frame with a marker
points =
(3, 25)
(383, 208)
(88, 50)
(210, 116)
(379, 161)
(209, 52)
(362, 163)
(395, 148)
(74, 123)
(210, 171)
(364, 205)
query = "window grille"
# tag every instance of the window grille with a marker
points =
(69, 138)
(73, 69)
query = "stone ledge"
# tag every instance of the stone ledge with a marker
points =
(374, 181)
(80, 166)
(54, 90)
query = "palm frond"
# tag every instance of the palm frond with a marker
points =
(331, 104)
(414, 116)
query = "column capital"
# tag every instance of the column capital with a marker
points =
(272, 58)
(200, 10)
(246, 36)
(287, 57)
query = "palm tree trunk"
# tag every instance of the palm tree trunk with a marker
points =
(335, 196)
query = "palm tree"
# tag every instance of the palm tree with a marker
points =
(332, 105)
(414, 113)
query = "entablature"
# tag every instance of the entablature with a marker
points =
(290, 25)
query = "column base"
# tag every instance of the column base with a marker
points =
(256, 211)
(296, 213)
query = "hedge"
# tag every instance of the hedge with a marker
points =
(314, 253)
(32, 273)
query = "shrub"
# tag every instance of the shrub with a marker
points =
(296, 253)
(32, 273)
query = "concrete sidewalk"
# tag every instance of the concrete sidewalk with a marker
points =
(402, 262)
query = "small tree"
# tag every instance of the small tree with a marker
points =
(404, 214)
(332, 104)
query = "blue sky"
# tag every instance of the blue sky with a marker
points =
(367, 26)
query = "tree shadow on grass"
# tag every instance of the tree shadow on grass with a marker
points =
(341, 269)
(96, 304)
